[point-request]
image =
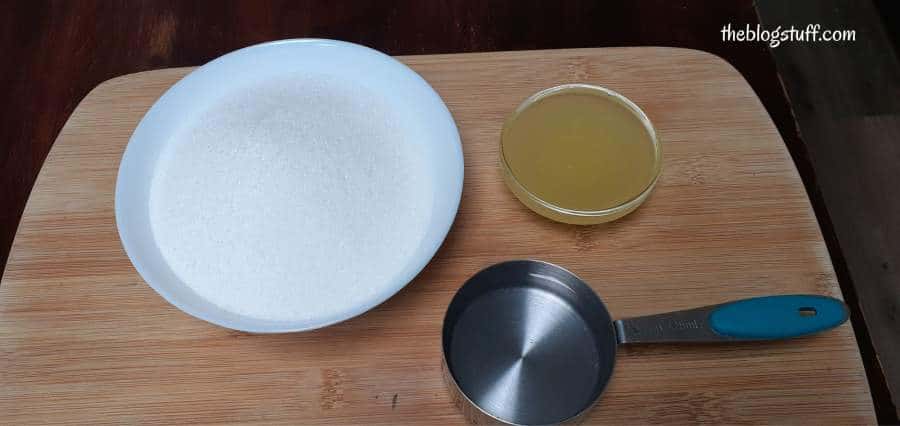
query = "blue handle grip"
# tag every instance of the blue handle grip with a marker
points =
(777, 317)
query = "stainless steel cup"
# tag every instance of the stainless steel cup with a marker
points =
(529, 343)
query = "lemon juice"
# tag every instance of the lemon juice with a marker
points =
(580, 154)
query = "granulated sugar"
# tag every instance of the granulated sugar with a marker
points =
(291, 200)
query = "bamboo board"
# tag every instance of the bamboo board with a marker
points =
(84, 340)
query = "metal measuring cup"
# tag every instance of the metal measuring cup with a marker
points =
(528, 342)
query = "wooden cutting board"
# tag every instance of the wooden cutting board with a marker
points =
(85, 340)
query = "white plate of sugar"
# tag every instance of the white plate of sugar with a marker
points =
(290, 185)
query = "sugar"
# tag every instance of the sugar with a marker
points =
(292, 200)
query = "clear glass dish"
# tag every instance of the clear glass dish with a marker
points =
(573, 214)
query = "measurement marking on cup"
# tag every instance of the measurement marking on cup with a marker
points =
(684, 324)
(676, 324)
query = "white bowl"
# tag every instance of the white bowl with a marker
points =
(202, 88)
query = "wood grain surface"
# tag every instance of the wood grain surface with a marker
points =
(852, 112)
(86, 341)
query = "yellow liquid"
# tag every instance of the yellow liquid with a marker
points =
(580, 149)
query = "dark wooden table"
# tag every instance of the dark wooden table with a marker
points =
(56, 51)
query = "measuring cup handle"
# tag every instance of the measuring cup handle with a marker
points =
(761, 318)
